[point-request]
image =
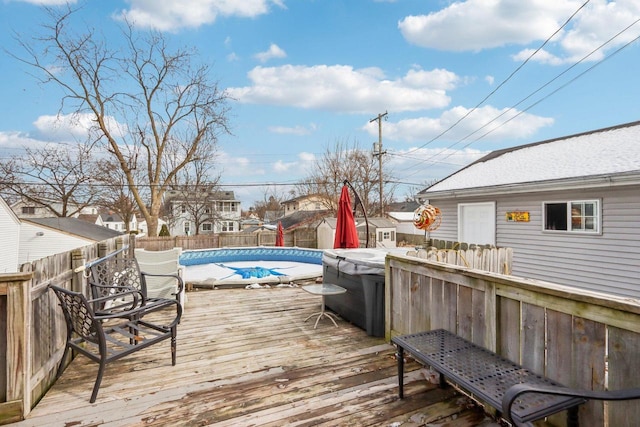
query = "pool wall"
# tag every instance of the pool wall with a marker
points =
(210, 256)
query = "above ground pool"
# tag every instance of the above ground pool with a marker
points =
(249, 265)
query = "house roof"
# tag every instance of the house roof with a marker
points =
(396, 208)
(375, 222)
(301, 198)
(179, 195)
(602, 153)
(77, 227)
(301, 218)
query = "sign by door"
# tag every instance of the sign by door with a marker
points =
(517, 216)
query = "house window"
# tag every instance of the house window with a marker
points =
(183, 209)
(207, 226)
(187, 228)
(226, 226)
(580, 216)
(28, 210)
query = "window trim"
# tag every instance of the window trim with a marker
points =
(569, 230)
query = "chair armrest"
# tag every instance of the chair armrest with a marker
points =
(514, 391)
(175, 276)
(118, 299)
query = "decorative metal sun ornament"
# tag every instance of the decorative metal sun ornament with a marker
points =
(427, 217)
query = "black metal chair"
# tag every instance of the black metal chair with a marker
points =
(514, 392)
(110, 336)
(112, 272)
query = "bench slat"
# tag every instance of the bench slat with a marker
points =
(482, 373)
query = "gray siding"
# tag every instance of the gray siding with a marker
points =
(448, 229)
(609, 262)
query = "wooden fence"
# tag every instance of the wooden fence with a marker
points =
(495, 260)
(32, 333)
(579, 338)
(302, 238)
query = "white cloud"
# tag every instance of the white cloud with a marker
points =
(463, 26)
(299, 167)
(274, 51)
(295, 130)
(18, 141)
(72, 127)
(345, 89)
(490, 80)
(481, 24)
(471, 128)
(176, 14)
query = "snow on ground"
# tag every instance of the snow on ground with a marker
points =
(221, 274)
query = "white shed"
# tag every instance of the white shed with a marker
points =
(10, 232)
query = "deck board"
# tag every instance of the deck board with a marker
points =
(247, 358)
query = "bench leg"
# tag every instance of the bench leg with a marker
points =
(572, 417)
(400, 356)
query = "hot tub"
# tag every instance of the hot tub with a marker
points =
(361, 273)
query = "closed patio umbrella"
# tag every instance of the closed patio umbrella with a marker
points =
(346, 233)
(280, 235)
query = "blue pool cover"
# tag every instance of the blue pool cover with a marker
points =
(211, 256)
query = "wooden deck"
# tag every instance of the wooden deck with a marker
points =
(246, 358)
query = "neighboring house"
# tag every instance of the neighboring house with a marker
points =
(41, 237)
(217, 211)
(114, 221)
(10, 231)
(569, 207)
(381, 231)
(304, 203)
(26, 209)
(92, 218)
(143, 230)
(402, 215)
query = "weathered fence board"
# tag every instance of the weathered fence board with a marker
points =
(33, 331)
(581, 339)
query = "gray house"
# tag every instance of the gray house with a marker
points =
(569, 208)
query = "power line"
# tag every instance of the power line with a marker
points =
(513, 73)
(584, 58)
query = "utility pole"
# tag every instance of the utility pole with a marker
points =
(377, 151)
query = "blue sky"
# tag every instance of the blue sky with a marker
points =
(307, 73)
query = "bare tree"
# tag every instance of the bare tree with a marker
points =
(271, 202)
(149, 103)
(345, 162)
(114, 194)
(196, 191)
(60, 179)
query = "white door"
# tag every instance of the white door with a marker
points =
(477, 223)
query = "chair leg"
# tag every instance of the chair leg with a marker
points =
(62, 366)
(174, 345)
(96, 386)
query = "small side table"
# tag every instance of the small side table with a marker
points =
(323, 289)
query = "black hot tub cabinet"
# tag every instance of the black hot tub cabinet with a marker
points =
(361, 273)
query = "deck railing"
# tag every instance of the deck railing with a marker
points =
(582, 339)
(32, 329)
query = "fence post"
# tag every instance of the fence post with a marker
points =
(18, 346)
(77, 260)
(102, 249)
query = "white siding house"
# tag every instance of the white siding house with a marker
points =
(10, 232)
(42, 237)
(216, 211)
(569, 208)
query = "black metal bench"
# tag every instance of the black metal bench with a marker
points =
(484, 374)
